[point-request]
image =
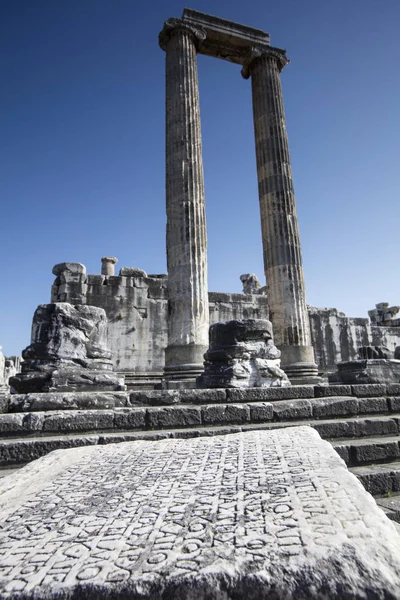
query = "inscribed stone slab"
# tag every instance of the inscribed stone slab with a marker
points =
(230, 517)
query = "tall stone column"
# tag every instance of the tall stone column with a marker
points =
(279, 225)
(188, 321)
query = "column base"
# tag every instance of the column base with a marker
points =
(299, 365)
(184, 363)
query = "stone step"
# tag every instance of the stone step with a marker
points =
(390, 504)
(14, 449)
(333, 417)
(379, 479)
(358, 452)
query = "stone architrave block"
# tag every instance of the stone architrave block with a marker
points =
(249, 515)
(242, 354)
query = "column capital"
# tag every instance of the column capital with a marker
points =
(257, 52)
(173, 25)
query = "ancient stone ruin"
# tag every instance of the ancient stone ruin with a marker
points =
(68, 352)
(249, 515)
(249, 507)
(182, 39)
(242, 354)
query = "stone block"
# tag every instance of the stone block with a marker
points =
(375, 452)
(324, 391)
(80, 420)
(393, 389)
(24, 451)
(173, 417)
(375, 426)
(229, 413)
(129, 418)
(334, 407)
(67, 401)
(394, 404)
(283, 494)
(296, 409)
(214, 396)
(334, 429)
(260, 394)
(154, 397)
(372, 405)
(261, 411)
(369, 389)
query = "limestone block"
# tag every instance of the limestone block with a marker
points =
(242, 354)
(249, 515)
(68, 351)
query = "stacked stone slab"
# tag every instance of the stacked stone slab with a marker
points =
(68, 352)
(255, 515)
(242, 354)
(186, 238)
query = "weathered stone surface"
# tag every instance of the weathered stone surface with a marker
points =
(331, 407)
(375, 352)
(220, 414)
(279, 225)
(188, 311)
(108, 265)
(372, 405)
(297, 409)
(373, 389)
(257, 394)
(133, 272)
(68, 352)
(66, 401)
(80, 420)
(242, 354)
(251, 284)
(324, 391)
(261, 411)
(240, 516)
(367, 371)
(174, 416)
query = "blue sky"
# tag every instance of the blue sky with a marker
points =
(82, 153)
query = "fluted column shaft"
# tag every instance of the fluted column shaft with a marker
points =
(280, 233)
(188, 320)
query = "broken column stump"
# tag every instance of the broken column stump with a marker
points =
(68, 353)
(242, 354)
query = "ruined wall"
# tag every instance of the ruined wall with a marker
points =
(136, 305)
(137, 309)
(337, 338)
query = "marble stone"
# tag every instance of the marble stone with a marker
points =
(279, 223)
(188, 308)
(68, 352)
(242, 354)
(250, 515)
(378, 370)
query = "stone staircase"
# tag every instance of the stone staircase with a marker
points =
(362, 422)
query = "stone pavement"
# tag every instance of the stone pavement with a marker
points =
(228, 517)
